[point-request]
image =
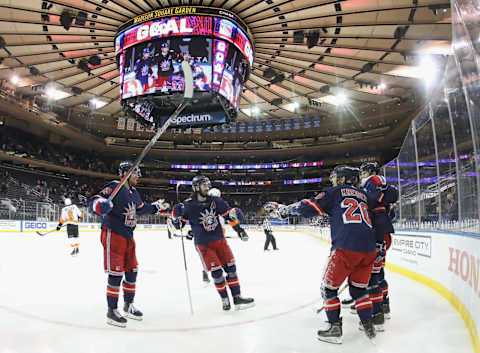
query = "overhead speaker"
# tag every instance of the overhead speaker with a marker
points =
(269, 73)
(83, 65)
(325, 89)
(34, 71)
(94, 60)
(276, 101)
(3, 44)
(77, 90)
(66, 20)
(312, 39)
(278, 78)
(368, 67)
(81, 18)
(298, 37)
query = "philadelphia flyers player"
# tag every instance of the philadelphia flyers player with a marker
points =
(202, 212)
(353, 245)
(378, 288)
(118, 224)
(70, 216)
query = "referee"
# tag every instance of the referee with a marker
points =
(267, 228)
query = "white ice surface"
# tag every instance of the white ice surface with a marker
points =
(51, 302)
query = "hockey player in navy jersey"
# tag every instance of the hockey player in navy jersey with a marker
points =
(118, 223)
(202, 212)
(378, 287)
(353, 245)
(143, 69)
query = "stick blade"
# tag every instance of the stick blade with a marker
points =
(188, 74)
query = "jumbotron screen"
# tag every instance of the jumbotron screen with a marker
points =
(151, 48)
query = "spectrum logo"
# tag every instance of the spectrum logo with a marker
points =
(192, 118)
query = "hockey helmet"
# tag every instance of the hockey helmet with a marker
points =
(125, 167)
(198, 180)
(352, 175)
(370, 167)
(146, 51)
(165, 45)
(67, 201)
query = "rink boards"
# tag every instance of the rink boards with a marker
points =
(449, 263)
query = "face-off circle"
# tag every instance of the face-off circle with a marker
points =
(151, 47)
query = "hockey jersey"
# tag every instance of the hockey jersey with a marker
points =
(348, 209)
(70, 215)
(127, 204)
(388, 195)
(142, 70)
(204, 218)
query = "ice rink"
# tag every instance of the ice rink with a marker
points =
(51, 302)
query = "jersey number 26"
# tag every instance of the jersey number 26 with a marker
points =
(356, 212)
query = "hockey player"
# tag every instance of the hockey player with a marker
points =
(353, 246)
(118, 224)
(378, 287)
(267, 228)
(202, 212)
(70, 216)
(143, 69)
(214, 192)
(164, 63)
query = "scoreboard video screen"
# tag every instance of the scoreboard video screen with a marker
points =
(151, 47)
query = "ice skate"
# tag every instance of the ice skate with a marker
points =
(132, 312)
(333, 334)
(226, 304)
(243, 303)
(369, 329)
(115, 319)
(386, 310)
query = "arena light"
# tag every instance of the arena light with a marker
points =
(382, 86)
(55, 94)
(341, 99)
(429, 69)
(14, 79)
(255, 110)
(97, 103)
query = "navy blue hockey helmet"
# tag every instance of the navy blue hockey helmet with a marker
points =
(198, 180)
(370, 167)
(125, 167)
(352, 175)
(146, 51)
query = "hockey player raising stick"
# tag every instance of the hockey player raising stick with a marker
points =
(70, 216)
(119, 221)
(203, 212)
(353, 245)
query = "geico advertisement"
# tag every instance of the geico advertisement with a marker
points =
(34, 225)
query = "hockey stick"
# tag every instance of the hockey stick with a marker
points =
(50, 231)
(187, 97)
(184, 257)
(318, 311)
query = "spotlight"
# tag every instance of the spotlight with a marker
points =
(255, 110)
(341, 99)
(14, 79)
(382, 86)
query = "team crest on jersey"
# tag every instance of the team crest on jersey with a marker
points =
(209, 220)
(130, 215)
(320, 196)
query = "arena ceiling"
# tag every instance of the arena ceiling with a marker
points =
(363, 53)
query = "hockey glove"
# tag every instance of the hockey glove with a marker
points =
(161, 205)
(236, 214)
(59, 225)
(178, 211)
(380, 247)
(189, 235)
(241, 232)
(102, 206)
(214, 192)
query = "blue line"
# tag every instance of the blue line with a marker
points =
(21, 226)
